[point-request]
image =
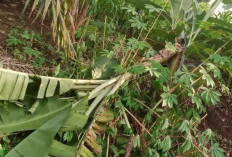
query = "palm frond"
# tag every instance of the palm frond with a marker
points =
(65, 19)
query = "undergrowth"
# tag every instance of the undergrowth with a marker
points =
(161, 112)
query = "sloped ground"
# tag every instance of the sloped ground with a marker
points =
(11, 18)
(219, 119)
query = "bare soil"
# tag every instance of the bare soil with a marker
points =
(11, 18)
(219, 120)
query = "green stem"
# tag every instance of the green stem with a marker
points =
(98, 99)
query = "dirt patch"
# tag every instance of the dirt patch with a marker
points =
(219, 120)
(11, 18)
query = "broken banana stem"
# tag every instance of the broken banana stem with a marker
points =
(176, 61)
(165, 54)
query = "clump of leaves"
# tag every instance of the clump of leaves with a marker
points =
(28, 45)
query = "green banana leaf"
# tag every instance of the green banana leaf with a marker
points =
(178, 6)
(14, 85)
(39, 142)
(59, 149)
(14, 118)
(103, 67)
(43, 87)
(65, 85)
(77, 118)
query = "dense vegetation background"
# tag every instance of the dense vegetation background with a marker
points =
(164, 67)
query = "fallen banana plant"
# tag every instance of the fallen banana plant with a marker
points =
(15, 85)
(23, 116)
(38, 104)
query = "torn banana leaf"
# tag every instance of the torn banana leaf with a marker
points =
(43, 87)
(65, 85)
(84, 152)
(13, 85)
(51, 87)
(89, 145)
(20, 88)
(39, 142)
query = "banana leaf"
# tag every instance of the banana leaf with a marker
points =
(15, 118)
(59, 149)
(14, 85)
(77, 118)
(39, 142)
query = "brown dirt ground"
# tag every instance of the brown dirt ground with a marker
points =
(219, 120)
(10, 18)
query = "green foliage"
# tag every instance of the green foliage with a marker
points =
(163, 111)
(1, 151)
(207, 77)
(165, 144)
(210, 96)
(169, 99)
(162, 73)
(185, 76)
(216, 150)
(184, 126)
(135, 44)
(137, 69)
(68, 136)
(196, 100)
(135, 22)
(27, 45)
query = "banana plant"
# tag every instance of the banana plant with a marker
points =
(42, 105)
(48, 116)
